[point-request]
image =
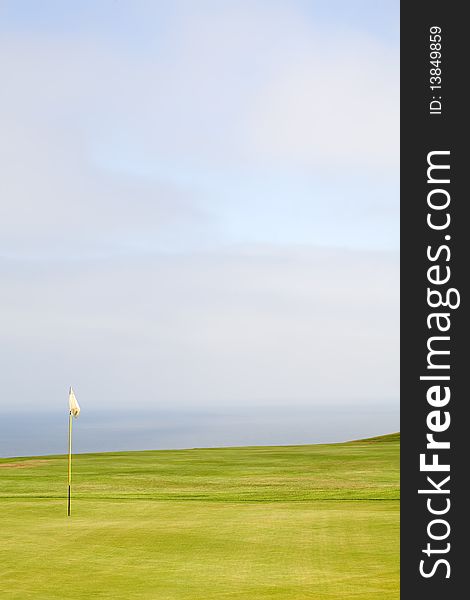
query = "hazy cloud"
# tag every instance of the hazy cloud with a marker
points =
(199, 204)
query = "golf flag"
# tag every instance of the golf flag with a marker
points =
(74, 411)
(73, 404)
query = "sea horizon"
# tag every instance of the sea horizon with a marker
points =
(24, 434)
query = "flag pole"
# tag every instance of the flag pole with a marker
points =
(74, 411)
(70, 462)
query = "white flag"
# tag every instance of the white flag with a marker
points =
(73, 404)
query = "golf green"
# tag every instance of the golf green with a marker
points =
(316, 522)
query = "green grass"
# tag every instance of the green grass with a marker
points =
(290, 523)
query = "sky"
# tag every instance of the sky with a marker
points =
(199, 221)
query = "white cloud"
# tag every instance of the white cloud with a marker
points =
(334, 106)
(226, 92)
(233, 89)
(251, 327)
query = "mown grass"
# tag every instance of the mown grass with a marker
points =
(290, 523)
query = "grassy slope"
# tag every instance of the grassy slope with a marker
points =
(293, 523)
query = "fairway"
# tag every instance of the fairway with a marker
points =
(317, 522)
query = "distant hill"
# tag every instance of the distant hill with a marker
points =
(389, 437)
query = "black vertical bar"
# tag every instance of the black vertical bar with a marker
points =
(424, 130)
(68, 503)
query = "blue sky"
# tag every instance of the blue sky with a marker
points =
(199, 203)
(377, 17)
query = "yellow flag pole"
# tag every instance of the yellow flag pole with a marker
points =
(70, 462)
